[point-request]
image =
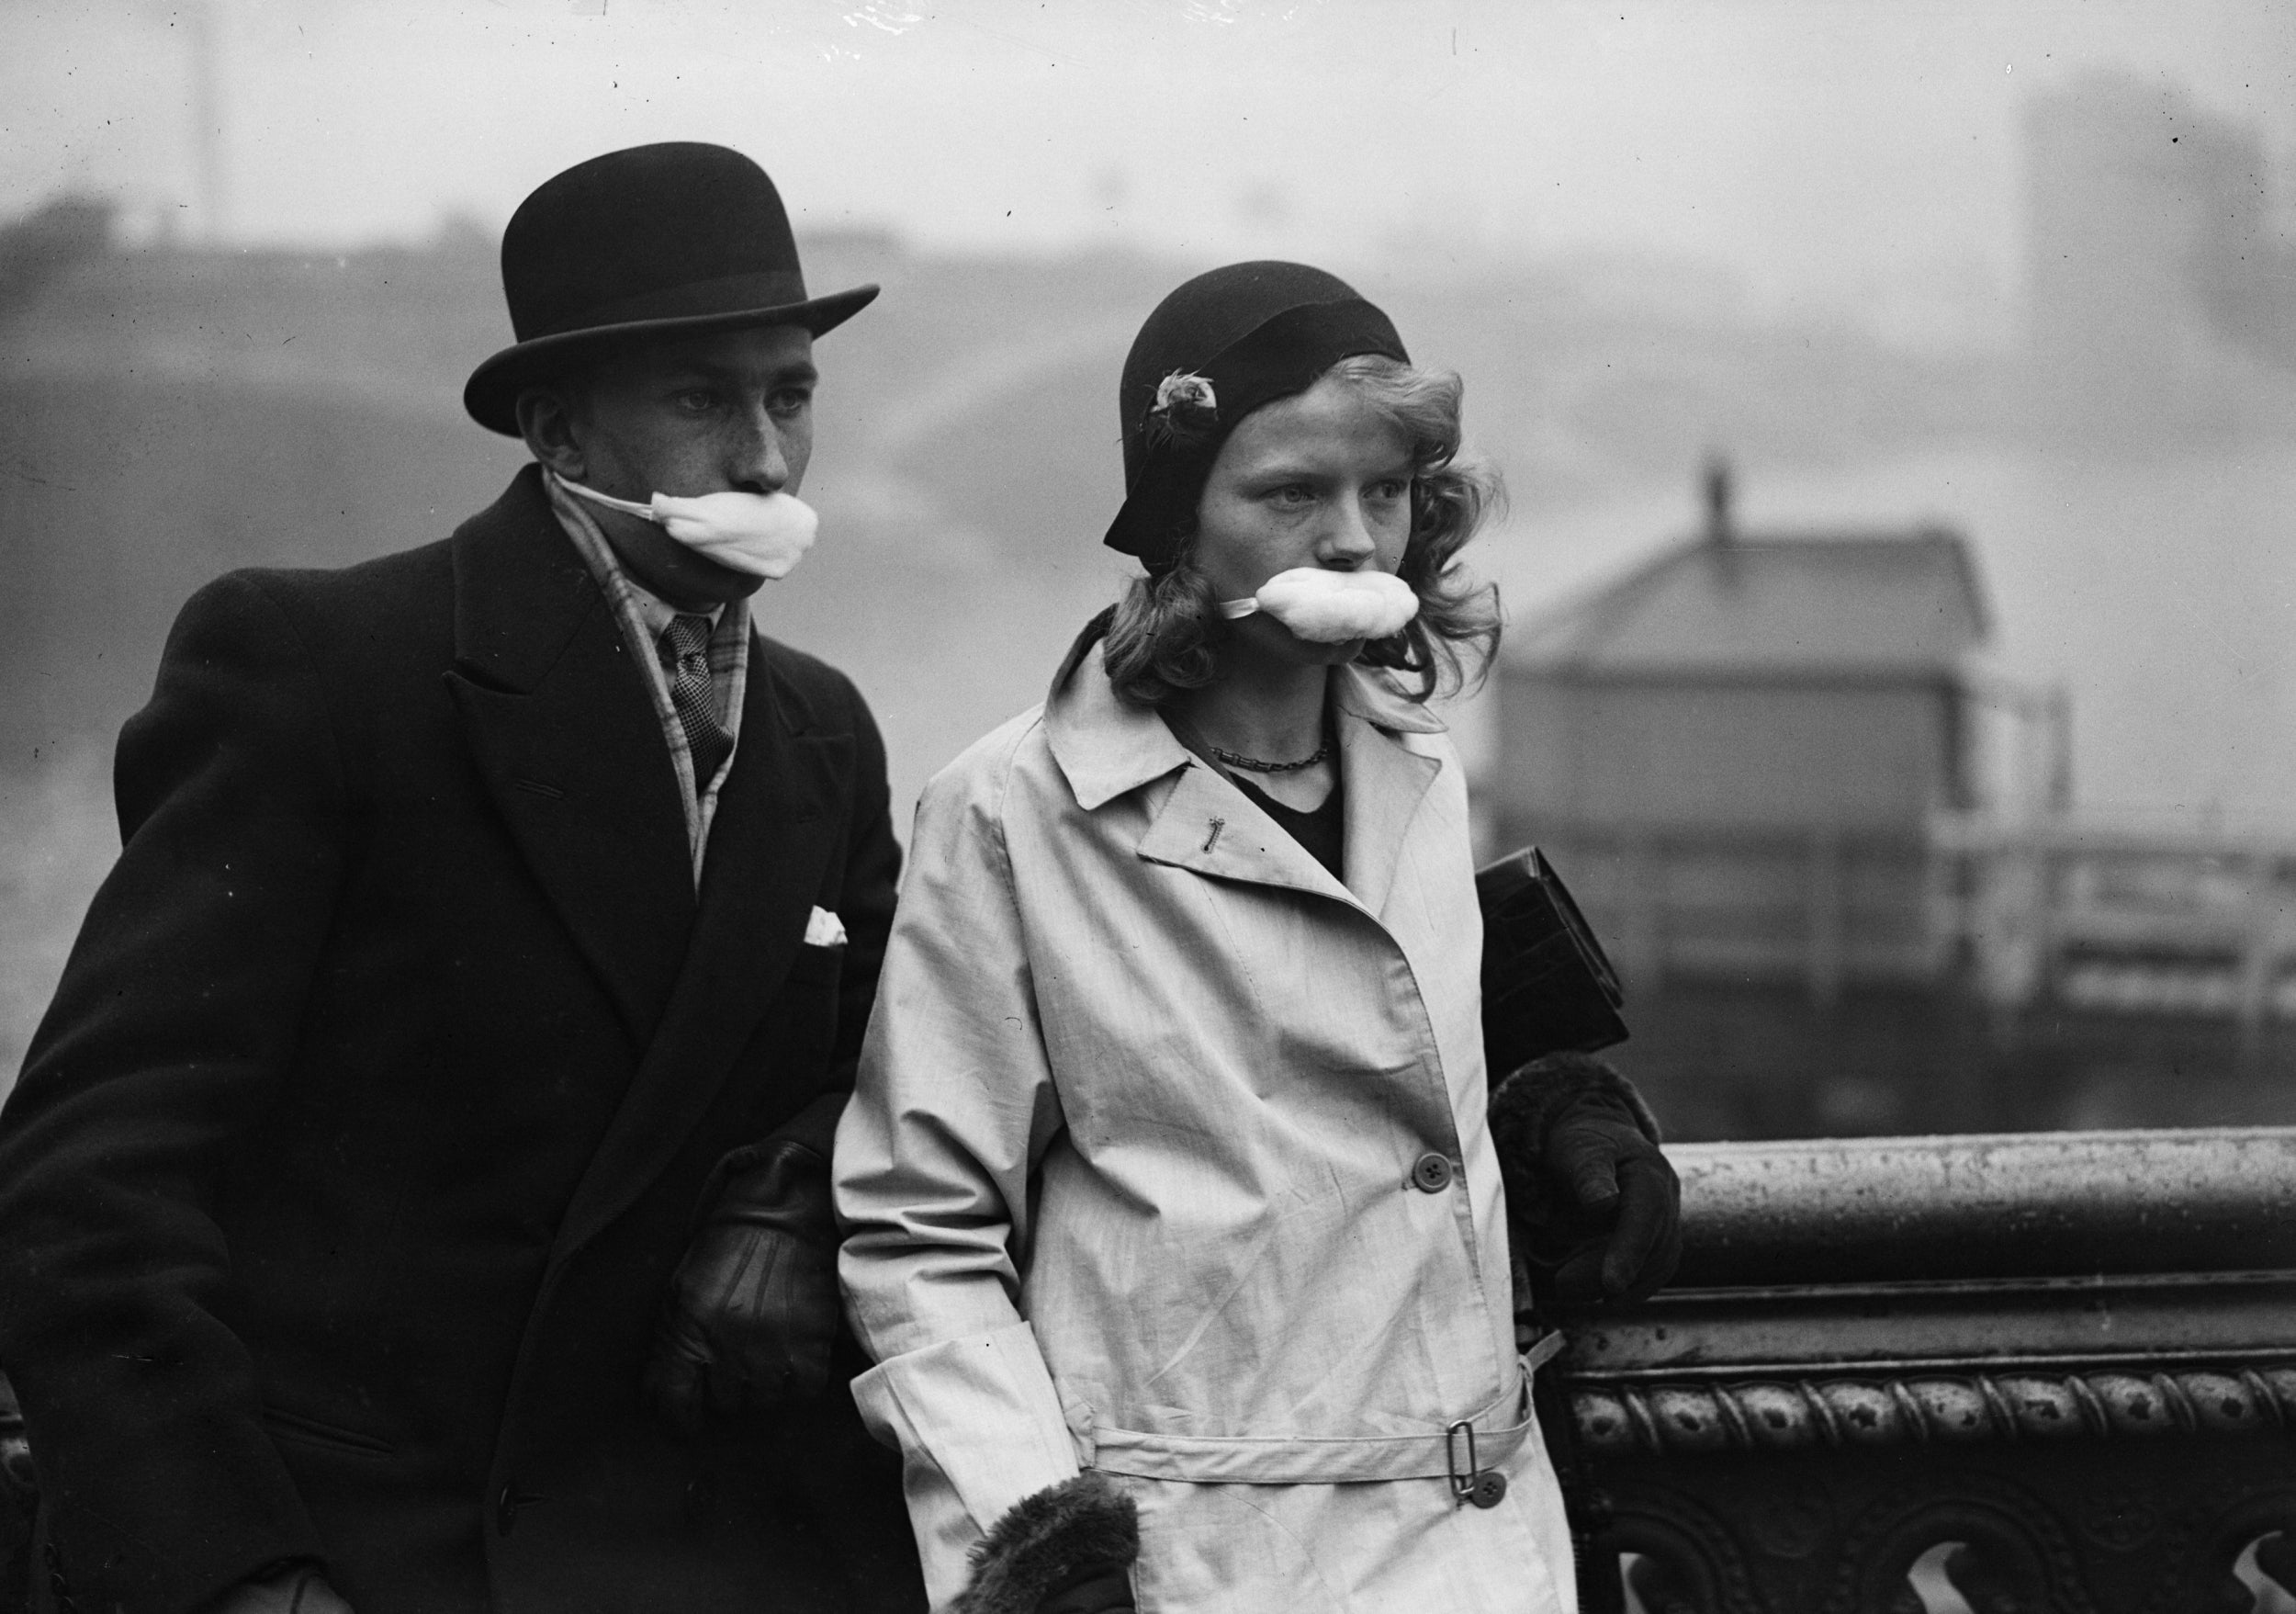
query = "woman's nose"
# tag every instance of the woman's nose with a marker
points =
(1348, 543)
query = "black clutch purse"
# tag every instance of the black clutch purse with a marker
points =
(1546, 986)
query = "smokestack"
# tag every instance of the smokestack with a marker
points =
(1717, 483)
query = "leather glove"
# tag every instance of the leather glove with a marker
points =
(753, 1308)
(1595, 1201)
(1623, 1218)
(300, 1589)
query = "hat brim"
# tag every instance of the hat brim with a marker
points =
(491, 393)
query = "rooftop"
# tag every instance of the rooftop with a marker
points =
(1898, 601)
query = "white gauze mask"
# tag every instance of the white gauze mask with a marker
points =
(1330, 607)
(761, 534)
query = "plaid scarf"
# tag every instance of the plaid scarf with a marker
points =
(643, 617)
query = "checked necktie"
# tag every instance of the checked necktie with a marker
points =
(684, 648)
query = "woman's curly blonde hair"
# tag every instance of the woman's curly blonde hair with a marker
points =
(1160, 639)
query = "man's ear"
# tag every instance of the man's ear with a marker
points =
(545, 419)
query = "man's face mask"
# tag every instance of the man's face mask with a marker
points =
(761, 534)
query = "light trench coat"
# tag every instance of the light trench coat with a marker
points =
(1137, 1174)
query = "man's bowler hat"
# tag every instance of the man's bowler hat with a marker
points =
(673, 238)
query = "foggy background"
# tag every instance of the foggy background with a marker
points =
(2026, 270)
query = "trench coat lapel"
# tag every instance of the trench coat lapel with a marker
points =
(564, 736)
(1204, 823)
(1208, 825)
(1385, 781)
(778, 816)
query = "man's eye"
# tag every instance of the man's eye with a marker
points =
(697, 401)
(790, 401)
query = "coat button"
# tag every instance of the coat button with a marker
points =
(1489, 1489)
(1432, 1174)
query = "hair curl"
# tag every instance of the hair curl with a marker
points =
(1161, 637)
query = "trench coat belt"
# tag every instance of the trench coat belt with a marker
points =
(1282, 1460)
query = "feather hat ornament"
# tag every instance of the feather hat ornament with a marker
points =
(1184, 411)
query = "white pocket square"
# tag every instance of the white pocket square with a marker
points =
(824, 928)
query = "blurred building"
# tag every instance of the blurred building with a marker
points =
(1736, 749)
(1835, 857)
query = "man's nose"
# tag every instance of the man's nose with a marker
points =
(759, 463)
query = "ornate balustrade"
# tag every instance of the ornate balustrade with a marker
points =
(2044, 1373)
(2051, 1373)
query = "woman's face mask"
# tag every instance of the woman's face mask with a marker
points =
(1330, 607)
(763, 535)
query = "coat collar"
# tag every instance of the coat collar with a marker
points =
(1106, 748)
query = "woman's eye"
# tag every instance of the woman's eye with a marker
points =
(697, 401)
(1293, 495)
(1393, 489)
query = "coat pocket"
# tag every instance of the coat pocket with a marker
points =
(310, 1431)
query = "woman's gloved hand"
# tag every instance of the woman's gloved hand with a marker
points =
(753, 1308)
(1069, 1548)
(1592, 1199)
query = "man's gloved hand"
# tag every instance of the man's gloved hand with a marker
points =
(300, 1589)
(1593, 1201)
(753, 1307)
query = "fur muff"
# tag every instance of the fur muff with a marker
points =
(1048, 1540)
(1525, 1106)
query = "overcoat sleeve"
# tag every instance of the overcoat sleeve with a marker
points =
(954, 1105)
(167, 1037)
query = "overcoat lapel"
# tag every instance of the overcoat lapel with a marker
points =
(562, 732)
(778, 822)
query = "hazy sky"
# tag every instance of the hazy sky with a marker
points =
(1856, 154)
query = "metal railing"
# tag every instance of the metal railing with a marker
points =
(2046, 1372)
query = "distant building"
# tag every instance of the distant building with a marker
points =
(1734, 751)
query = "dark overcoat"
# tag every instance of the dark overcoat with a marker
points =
(343, 1179)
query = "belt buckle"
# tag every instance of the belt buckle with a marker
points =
(1485, 1487)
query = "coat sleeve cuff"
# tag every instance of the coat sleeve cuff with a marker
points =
(980, 1428)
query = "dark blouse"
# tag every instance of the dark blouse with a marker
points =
(1322, 830)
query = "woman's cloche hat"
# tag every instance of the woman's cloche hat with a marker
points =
(673, 238)
(1218, 347)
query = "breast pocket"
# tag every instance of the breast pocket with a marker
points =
(802, 1026)
(816, 969)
